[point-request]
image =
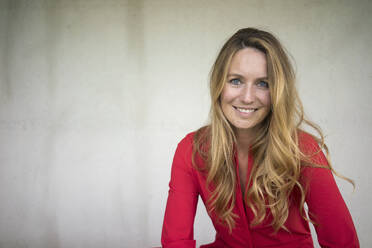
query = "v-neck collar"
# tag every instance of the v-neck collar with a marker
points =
(240, 204)
(239, 194)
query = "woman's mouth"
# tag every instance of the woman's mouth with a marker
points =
(245, 110)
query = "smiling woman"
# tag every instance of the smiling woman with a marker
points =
(253, 165)
(245, 99)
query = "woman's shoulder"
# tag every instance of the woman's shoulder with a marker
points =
(305, 137)
(188, 140)
(185, 145)
(307, 142)
(193, 147)
(311, 146)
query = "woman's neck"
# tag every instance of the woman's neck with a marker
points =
(244, 139)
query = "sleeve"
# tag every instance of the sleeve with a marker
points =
(178, 225)
(326, 207)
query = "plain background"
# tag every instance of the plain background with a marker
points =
(95, 95)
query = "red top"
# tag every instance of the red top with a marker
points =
(335, 227)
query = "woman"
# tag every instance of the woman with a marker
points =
(253, 166)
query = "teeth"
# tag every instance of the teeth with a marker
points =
(245, 110)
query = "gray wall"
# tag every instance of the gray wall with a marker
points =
(96, 94)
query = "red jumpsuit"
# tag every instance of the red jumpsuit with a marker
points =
(335, 227)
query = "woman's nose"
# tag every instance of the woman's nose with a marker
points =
(247, 94)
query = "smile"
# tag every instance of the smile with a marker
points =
(245, 110)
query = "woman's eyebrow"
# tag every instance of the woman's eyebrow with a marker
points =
(262, 78)
(234, 75)
(240, 76)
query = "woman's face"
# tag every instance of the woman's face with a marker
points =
(245, 98)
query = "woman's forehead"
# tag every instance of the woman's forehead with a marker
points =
(248, 62)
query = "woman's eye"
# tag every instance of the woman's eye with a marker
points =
(263, 84)
(235, 81)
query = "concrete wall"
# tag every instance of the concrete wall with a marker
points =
(96, 94)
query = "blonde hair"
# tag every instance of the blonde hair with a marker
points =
(277, 157)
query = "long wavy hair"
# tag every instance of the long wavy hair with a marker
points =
(275, 148)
